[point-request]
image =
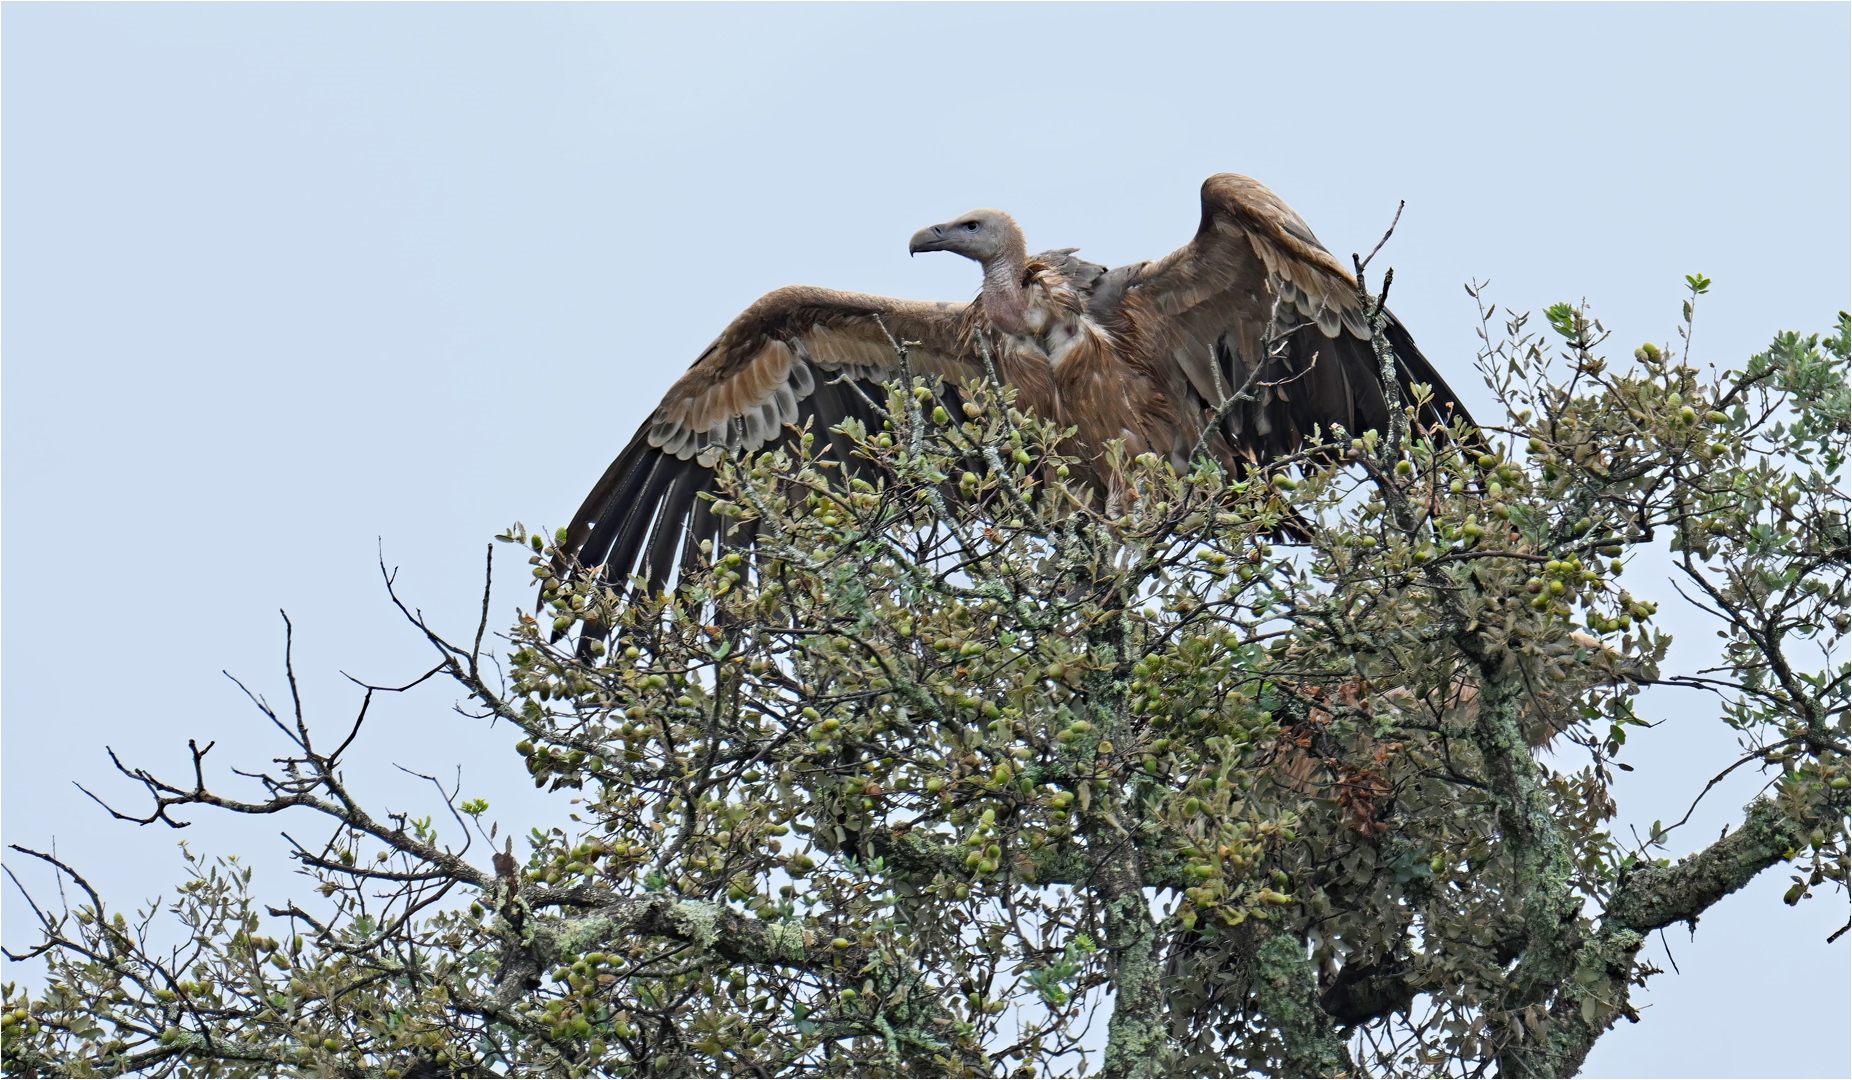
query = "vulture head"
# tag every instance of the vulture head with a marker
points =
(983, 235)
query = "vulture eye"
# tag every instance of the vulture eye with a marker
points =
(971, 226)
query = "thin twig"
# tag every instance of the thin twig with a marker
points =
(1387, 233)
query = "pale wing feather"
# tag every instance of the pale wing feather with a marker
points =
(756, 377)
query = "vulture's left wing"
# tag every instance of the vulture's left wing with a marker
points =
(798, 355)
(1199, 319)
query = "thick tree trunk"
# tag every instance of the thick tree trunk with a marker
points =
(1547, 907)
(1286, 994)
(1135, 1036)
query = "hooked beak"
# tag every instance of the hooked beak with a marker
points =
(931, 238)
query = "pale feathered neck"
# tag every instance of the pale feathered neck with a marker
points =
(1006, 298)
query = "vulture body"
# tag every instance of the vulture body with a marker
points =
(1146, 353)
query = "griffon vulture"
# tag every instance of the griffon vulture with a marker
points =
(1145, 353)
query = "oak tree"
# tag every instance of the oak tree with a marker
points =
(952, 774)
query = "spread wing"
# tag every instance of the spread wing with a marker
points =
(1200, 318)
(797, 354)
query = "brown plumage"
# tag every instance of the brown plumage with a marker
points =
(1196, 322)
(1146, 353)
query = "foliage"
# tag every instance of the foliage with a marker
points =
(952, 775)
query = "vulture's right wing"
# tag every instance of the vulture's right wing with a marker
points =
(798, 354)
(1199, 319)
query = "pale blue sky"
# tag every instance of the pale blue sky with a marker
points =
(284, 282)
